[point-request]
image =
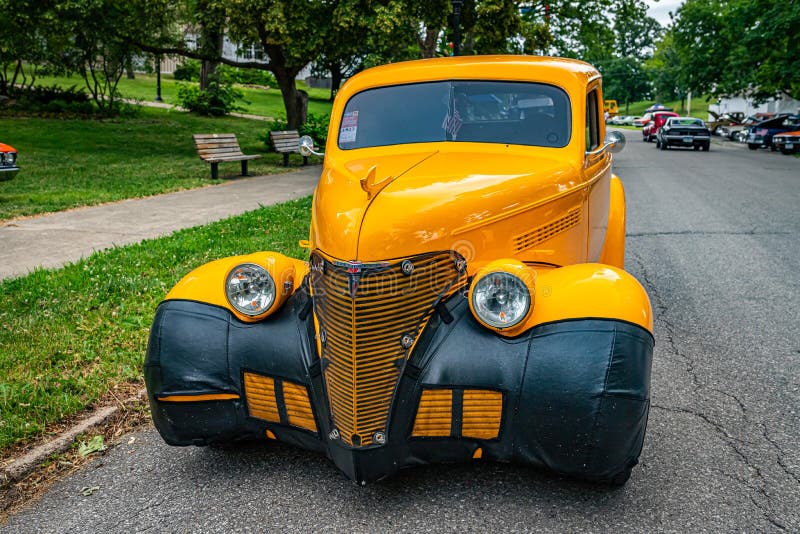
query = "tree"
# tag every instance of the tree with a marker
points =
(624, 80)
(635, 32)
(731, 47)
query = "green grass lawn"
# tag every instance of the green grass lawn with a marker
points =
(264, 102)
(699, 107)
(70, 163)
(68, 336)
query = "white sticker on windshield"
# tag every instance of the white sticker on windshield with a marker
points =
(349, 128)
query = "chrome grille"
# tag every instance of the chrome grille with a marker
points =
(369, 318)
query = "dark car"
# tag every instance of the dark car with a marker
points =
(787, 143)
(684, 132)
(8, 162)
(761, 134)
(738, 132)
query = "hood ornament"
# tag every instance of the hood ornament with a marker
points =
(370, 185)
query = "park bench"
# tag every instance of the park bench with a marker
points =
(285, 142)
(220, 148)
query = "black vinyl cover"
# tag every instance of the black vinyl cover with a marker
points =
(576, 392)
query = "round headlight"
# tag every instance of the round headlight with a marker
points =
(250, 289)
(11, 157)
(500, 300)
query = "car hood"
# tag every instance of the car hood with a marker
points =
(7, 148)
(427, 200)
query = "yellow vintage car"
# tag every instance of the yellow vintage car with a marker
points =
(464, 296)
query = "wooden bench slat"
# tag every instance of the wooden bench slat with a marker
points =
(218, 159)
(211, 151)
(214, 136)
(294, 135)
(217, 145)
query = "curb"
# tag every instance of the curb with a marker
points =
(24, 465)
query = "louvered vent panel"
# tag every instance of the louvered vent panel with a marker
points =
(541, 234)
(434, 413)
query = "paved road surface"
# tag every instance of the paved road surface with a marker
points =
(714, 237)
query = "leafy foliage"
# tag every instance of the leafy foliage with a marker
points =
(730, 47)
(316, 126)
(219, 98)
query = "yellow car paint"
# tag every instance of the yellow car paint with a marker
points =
(207, 283)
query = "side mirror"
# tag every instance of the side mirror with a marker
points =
(307, 147)
(615, 141)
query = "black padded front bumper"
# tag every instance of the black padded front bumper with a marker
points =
(575, 393)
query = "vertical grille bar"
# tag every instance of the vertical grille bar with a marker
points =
(364, 313)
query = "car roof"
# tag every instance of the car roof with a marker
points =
(569, 74)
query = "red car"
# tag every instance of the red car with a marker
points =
(8, 162)
(651, 128)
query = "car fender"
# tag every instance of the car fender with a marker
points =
(589, 291)
(207, 283)
(613, 252)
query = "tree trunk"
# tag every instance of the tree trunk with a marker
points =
(294, 102)
(209, 68)
(129, 67)
(427, 44)
(336, 79)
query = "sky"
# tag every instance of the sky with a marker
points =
(659, 10)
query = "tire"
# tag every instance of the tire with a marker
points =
(752, 146)
(619, 479)
(787, 152)
(696, 147)
(658, 143)
(706, 147)
(772, 148)
(664, 146)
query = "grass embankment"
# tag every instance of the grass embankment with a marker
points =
(70, 163)
(699, 107)
(69, 336)
(258, 101)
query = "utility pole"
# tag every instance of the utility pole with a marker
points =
(456, 26)
(158, 79)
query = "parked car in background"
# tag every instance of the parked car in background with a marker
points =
(687, 132)
(643, 120)
(8, 162)
(760, 135)
(657, 107)
(726, 119)
(787, 143)
(651, 129)
(738, 132)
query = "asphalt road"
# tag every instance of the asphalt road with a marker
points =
(714, 237)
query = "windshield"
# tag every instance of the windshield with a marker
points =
(792, 121)
(463, 111)
(686, 122)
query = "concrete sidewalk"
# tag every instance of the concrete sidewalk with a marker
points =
(58, 238)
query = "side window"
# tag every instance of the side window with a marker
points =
(592, 121)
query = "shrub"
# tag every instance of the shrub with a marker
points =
(316, 126)
(246, 76)
(188, 71)
(217, 100)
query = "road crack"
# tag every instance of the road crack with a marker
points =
(738, 446)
